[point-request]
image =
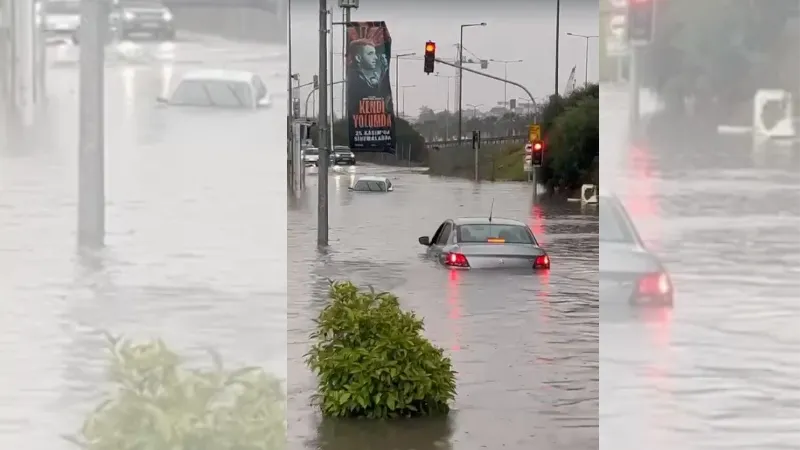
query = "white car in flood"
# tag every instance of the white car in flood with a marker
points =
(230, 89)
(372, 184)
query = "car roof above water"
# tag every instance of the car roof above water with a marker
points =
(219, 74)
(486, 221)
(372, 178)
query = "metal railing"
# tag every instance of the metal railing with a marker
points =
(484, 141)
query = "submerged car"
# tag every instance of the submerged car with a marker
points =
(629, 272)
(233, 89)
(372, 184)
(485, 243)
(152, 18)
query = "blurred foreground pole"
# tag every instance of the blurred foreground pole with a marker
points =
(633, 94)
(322, 125)
(290, 173)
(91, 152)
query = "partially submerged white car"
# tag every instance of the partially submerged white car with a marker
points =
(372, 184)
(230, 89)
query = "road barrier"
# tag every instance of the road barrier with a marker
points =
(484, 141)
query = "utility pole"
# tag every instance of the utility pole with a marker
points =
(322, 125)
(290, 93)
(461, 76)
(91, 156)
(346, 6)
(558, 37)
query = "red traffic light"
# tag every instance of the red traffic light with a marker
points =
(430, 47)
(537, 146)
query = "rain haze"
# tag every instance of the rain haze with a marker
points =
(515, 30)
(524, 347)
(722, 209)
(196, 230)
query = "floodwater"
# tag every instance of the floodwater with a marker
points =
(525, 346)
(719, 371)
(195, 244)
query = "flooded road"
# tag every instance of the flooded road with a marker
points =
(195, 255)
(525, 347)
(719, 371)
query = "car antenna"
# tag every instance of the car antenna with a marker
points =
(491, 210)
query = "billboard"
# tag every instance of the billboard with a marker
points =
(370, 107)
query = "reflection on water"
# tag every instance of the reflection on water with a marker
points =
(525, 346)
(718, 371)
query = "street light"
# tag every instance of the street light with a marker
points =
(474, 109)
(505, 76)
(397, 59)
(461, 73)
(403, 97)
(586, 68)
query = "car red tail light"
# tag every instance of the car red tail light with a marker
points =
(456, 260)
(655, 286)
(542, 262)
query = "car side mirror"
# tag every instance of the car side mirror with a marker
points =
(425, 240)
(161, 100)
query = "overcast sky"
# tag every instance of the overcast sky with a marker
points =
(516, 29)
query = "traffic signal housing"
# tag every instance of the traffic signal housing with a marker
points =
(641, 21)
(430, 56)
(537, 153)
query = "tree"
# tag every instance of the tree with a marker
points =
(717, 52)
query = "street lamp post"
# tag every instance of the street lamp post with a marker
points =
(461, 74)
(505, 76)
(447, 105)
(474, 109)
(586, 66)
(403, 97)
(558, 36)
(397, 70)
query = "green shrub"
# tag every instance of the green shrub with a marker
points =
(158, 404)
(371, 359)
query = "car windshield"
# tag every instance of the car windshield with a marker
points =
(509, 234)
(312, 151)
(369, 185)
(615, 226)
(340, 150)
(219, 93)
(73, 7)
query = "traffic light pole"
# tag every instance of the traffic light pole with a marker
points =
(633, 94)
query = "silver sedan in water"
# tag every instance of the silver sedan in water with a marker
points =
(485, 243)
(629, 272)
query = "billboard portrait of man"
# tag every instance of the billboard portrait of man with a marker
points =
(367, 72)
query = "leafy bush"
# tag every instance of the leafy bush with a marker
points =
(158, 404)
(371, 359)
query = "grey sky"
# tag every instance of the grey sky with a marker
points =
(515, 29)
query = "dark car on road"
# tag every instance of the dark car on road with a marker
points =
(629, 272)
(342, 156)
(486, 243)
(151, 18)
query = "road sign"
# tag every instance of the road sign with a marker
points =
(534, 132)
(619, 4)
(528, 163)
(616, 38)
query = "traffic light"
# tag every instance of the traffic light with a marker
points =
(430, 56)
(476, 139)
(537, 153)
(641, 21)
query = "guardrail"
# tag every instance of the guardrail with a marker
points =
(484, 141)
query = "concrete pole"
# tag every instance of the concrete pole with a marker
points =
(91, 156)
(322, 125)
(331, 72)
(558, 39)
(290, 154)
(41, 56)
